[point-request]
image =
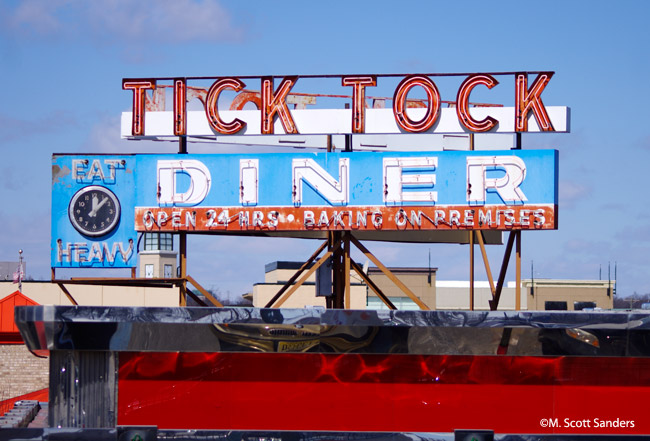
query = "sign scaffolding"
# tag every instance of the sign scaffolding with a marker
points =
(425, 193)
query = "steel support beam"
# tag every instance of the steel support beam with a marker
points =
(203, 291)
(486, 262)
(372, 285)
(494, 303)
(389, 274)
(471, 270)
(304, 278)
(297, 274)
(67, 294)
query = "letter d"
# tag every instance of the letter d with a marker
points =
(168, 171)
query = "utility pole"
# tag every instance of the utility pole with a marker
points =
(20, 271)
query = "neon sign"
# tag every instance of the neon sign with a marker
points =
(274, 116)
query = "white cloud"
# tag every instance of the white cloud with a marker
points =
(572, 192)
(174, 21)
(13, 128)
(105, 137)
(165, 21)
(35, 16)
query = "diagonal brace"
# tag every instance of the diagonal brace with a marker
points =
(389, 274)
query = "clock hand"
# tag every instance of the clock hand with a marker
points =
(96, 207)
(93, 212)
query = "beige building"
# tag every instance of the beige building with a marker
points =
(277, 274)
(47, 293)
(440, 294)
(437, 294)
(569, 295)
(421, 281)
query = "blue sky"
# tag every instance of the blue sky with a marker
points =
(62, 62)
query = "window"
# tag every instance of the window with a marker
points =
(168, 271)
(148, 271)
(158, 241)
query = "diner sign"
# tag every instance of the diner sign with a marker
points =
(487, 190)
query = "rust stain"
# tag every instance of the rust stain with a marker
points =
(59, 173)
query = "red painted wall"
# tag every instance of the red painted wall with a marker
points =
(313, 392)
(9, 333)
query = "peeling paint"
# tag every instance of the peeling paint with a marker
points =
(58, 173)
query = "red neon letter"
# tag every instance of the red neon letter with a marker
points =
(400, 105)
(180, 107)
(139, 88)
(211, 102)
(462, 103)
(359, 85)
(276, 102)
(530, 99)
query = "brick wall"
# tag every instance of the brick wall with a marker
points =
(21, 372)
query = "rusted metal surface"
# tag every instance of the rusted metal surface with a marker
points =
(245, 97)
(155, 101)
(271, 219)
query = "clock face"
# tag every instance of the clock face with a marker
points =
(94, 210)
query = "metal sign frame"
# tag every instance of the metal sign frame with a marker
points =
(402, 190)
(149, 120)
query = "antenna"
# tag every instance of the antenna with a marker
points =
(20, 271)
(532, 279)
(429, 276)
(609, 279)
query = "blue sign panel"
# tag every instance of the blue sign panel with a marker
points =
(350, 191)
(93, 197)
(99, 202)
